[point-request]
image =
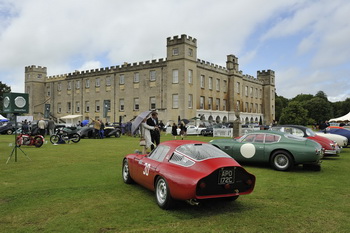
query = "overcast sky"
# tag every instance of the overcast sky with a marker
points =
(306, 42)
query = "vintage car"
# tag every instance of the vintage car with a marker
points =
(281, 150)
(6, 128)
(187, 170)
(339, 131)
(194, 130)
(330, 146)
(109, 131)
(341, 140)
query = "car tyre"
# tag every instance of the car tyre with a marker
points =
(126, 173)
(9, 132)
(281, 160)
(164, 200)
(117, 134)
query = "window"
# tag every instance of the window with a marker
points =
(87, 106)
(122, 79)
(69, 106)
(246, 107)
(175, 76)
(217, 104)
(87, 83)
(136, 104)
(175, 51)
(108, 80)
(175, 101)
(251, 107)
(107, 105)
(121, 105)
(238, 105)
(201, 102)
(225, 85)
(190, 52)
(97, 82)
(251, 92)
(202, 83)
(152, 75)
(48, 92)
(59, 86)
(59, 108)
(246, 90)
(256, 108)
(77, 84)
(210, 102)
(238, 87)
(40, 75)
(224, 104)
(190, 101)
(152, 101)
(77, 106)
(190, 76)
(218, 84)
(69, 85)
(97, 106)
(256, 93)
(210, 83)
(136, 77)
(159, 153)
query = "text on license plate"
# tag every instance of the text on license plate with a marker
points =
(226, 176)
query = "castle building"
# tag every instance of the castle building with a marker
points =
(179, 86)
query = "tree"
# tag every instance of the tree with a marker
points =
(321, 95)
(319, 109)
(294, 114)
(303, 97)
(3, 89)
(280, 103)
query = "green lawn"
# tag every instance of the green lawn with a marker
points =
(78, 188)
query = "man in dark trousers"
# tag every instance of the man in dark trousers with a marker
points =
(155, 134)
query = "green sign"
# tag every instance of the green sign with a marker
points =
(15, 103)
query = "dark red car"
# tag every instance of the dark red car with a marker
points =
(187, 170)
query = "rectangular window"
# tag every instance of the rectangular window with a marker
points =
(175, 101)
(77, 106)
(121, 79)
(77, 84)
(256, 108)
(190, 101)
(136, 104)
(69, 107)
(190, 76)
(246, 107)
(59, 86)
(87, 106)
(121, 105)
(224, 104)
(87, 83)
(152, 103)
(238, 105)
(190, 52)
(97, 106)
(217, 104)
(97, 82)
(175, 76)
(210, 83)
(246, 90)
(136, 77)
(201, 102)
(225, 85)
(59, 108)
(202, 81)
(238, 87)
(251, 92)
(69, 85)
(210, 102)
(256, 93)
(175, 51)
(108, 80)
(152, 75)
(218, 84)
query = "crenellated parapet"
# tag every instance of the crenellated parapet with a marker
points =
(266, 72)
(251, 78)
(183, 39)
(34, 68)
(210, 66)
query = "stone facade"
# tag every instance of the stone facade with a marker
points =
(179, 86)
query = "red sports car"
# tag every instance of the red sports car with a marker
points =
(187, 170)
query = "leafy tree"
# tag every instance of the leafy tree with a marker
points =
(295, 114)
(303, 97)
(280, 104)
(319, 109)
(3, 89)
(321, 95)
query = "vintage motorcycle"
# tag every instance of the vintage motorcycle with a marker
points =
(30, 140)
(65, 135)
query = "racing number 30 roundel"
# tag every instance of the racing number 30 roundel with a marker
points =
(248, 150)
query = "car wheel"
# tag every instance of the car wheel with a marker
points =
(38, 141)
(75, 138)
(117, 134)
(126, 173)
(164, 200)
(9, 131)
(281, 160)
(54, 139)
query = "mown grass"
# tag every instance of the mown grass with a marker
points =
(78, 188)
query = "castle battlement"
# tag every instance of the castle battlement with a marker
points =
(266, 72)
(211, 66)
(251, 78)
(183, 39)
(34, 68)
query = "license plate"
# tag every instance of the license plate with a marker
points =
(226, 176)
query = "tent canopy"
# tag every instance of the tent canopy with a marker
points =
(1, 117)
(342, 118)
(71, 119)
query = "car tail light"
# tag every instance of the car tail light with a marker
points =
(249, 182)
(202, 185)
(227, 186)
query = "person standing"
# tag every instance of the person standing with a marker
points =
(97, 126)
(42, 126)
(51, 126)
(174, 130)
(102, 129)
(147, 135)
(155, 134)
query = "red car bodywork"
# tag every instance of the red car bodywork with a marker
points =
(198, 181)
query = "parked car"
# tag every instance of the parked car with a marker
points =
(6, 128)
(281, 150)
(187, 170)
(209, 131)
(194, 130)
(87, 131)
(339, 131)
(341, 140)
(330, 147)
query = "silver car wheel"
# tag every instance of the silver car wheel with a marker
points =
(281, 161)
(161, 191)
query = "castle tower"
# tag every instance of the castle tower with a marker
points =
(268, 80)
(35, 79)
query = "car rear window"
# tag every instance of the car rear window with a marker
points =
(201, 151)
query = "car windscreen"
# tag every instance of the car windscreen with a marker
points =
(201, 151)
(310, 133)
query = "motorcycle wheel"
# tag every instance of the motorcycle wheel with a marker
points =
(54, 139)
(75, 138)
(38, 141)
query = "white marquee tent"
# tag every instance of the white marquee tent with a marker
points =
(342, 118)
